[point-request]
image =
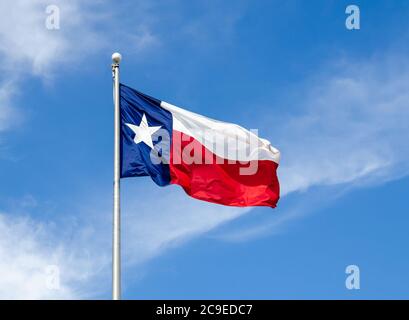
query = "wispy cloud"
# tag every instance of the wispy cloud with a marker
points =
(79, 243)
(27, 46)
(29, 49)
(28, 251)
(350, 128)
(7, 92)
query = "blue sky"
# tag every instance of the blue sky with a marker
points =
(334, 101)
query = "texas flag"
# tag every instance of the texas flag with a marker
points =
(211, 160)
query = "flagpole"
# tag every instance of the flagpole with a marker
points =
(116, 227)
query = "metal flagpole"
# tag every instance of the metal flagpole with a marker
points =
(116, 234)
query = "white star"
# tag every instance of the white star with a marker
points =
(143, 133)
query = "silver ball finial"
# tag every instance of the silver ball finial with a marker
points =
(116, 58)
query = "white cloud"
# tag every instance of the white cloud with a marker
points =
(28, 48)
(80, 243)
(351, 128)
(26, 250)
(6, 111)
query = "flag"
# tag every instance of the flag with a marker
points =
(211, 160)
